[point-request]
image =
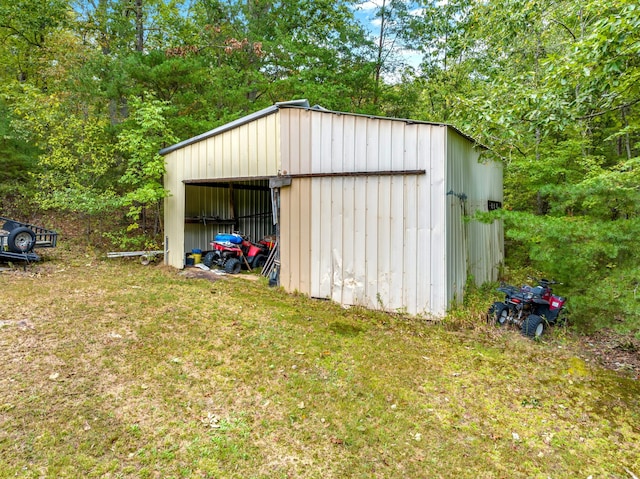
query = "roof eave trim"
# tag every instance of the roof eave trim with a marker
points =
(236, 123)
(221, 129)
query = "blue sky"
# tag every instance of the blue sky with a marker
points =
(365, 13)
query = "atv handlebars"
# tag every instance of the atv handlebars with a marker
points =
(543, 282)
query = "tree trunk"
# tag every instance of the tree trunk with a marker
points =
(378, 74)
(627, 142)
(139, 26)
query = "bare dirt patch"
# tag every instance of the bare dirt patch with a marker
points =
(197, 273)
(620, 353)
(215, 275)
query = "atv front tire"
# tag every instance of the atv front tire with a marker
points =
(232, 266)
(208, 259)
(533, 326)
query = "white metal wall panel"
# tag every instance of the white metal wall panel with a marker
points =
(367, 252)
(437, 219)
(296, 141)
(322, 235)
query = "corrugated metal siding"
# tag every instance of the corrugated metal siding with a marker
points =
(253, 208)
(396, 242)
(174, 209)
(376, 241)
(295, 236)
(472, 247)
(457, 201)
(251, 150)
(486, 241)
(248, 151)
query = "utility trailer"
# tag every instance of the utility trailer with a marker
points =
(18, 240)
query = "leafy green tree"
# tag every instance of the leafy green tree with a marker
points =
(441, 33)
(19, 163)
(313, 49)
(77, 157)
(141, 138)
(568, 129)
(27, 30)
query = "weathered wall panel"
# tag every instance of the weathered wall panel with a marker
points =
(437, 220)
(174, 209)
(486, 241)
(372, 239)
(457, 208)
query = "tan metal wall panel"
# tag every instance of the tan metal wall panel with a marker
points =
(250, 150)
(295, 236)
(174, 209)
(296, 132)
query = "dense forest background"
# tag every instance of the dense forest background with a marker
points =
(90, 90)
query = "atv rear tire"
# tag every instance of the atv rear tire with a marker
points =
(259, 261)
(533, 326)
(21, 240)
(232, 266)
(498, 313)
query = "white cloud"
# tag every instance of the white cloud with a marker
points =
(370, 5)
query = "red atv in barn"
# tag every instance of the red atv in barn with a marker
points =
(530, 308)
(233, 251)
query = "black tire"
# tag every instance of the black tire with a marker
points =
(232, 266)
(259, 261)
(21, 240)
(209, 259)
(533, 327)
(498, 313)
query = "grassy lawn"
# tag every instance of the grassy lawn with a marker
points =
(112, 369)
